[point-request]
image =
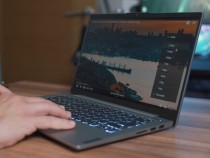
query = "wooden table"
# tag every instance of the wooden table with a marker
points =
(189, 139)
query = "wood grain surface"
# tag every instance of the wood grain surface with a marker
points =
(189, 139)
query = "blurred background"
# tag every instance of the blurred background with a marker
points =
(40, 39)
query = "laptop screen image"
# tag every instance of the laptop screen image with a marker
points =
(137, 60)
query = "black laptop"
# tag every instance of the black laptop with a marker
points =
(131, 77)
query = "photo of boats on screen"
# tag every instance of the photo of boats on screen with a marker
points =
(135, 61)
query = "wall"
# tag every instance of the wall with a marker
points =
(1, 11)
(117, 6)
(0, 38)
(39, 41)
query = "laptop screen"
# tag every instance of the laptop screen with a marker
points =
(137, 60)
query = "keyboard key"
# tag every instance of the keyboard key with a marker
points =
(99, 116)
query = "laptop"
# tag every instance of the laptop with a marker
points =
(131, 77)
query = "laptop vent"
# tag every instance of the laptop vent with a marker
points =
(93, 140)
(141, 132)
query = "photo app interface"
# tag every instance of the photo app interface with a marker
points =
(137, 60)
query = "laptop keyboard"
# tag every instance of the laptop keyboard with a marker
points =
(98, 115)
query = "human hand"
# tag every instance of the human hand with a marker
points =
(20, 116)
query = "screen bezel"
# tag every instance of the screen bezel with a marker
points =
(162, 112)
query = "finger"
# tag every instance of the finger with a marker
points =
(36, 99)
(49, 122)
(39, 99)
(3, 89)
(48, 108)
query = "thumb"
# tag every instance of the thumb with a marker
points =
(3, 89)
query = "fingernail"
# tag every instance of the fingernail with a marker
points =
(68, 113)
(72, 123)
(63, 107)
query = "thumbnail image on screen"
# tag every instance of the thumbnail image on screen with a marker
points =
(137, 60)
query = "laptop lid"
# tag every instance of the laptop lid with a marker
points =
(141, 61)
